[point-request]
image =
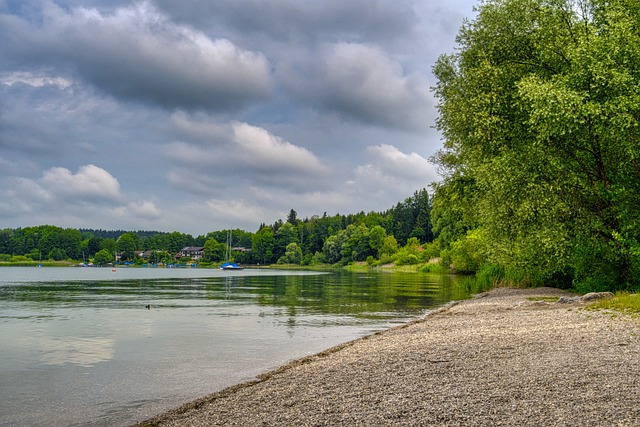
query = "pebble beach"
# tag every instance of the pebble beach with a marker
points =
(508, 357)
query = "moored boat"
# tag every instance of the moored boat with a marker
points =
(230, 266)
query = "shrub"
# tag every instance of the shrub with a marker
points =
(467, 253)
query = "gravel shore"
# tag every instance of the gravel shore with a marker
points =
(510, 357)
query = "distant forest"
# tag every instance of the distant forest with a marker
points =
(338, 239)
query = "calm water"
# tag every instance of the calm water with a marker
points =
(79, 347)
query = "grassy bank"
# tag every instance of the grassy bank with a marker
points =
(623, 302)
(37, 264)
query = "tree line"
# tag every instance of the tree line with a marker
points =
(338, 239)
(540, 111)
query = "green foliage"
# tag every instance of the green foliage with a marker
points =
(388, 248)
(624, 302)
(540, 112)
(410, 254)
(103, 257)
(263, 244)
(468, 253)
(293, 255)
(337, 239)
(126, 245)
(57, 254)
(412, 218)
(213, 250)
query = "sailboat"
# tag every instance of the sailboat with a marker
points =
(229, 265)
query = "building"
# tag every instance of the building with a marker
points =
(193, 252)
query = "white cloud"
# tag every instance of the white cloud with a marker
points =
(264, 150)
(34, 79)
(394, 162)
(216, 158)
(235, 210)
(90, 182)
(391, 175)
(138, 209)
(87, 198)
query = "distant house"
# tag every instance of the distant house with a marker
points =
(193, 252)
(147, 254)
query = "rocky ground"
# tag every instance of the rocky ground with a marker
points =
(506, 358)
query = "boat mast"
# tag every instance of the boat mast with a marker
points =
(228, 250)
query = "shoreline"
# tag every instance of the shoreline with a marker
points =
(505, 357)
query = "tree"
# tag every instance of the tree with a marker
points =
(57, 254)
(292, 255)
(540, 111)
(126, 246)
(357, 245)
(103, 257)
(108, 244)
(93, 246)
(262, 245)
(332, 248)
(292, 218)
(377, 234)
(214, 251)
(389, 247)
(285, 234)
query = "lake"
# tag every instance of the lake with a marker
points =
(97, 347)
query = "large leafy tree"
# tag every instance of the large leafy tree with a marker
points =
(540, 110)
(127, 245)
(213, 250)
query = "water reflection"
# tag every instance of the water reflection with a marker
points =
(341, 293)
(80, 351)
(76, 340)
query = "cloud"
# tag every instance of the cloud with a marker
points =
(363, 83)
(34, 79)
(77, 199)
(214, 158)
(85, 352)
(270, 153)
(136, 53)
(59, 188)
(238, 210)
(391, 174)
(200, 115)
(89, 183)
(394, 162)
(291, 21)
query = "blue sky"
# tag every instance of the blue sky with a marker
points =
(202, 115)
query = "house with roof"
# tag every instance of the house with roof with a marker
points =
(193, 252)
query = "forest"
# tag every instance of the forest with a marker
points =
(396, 235)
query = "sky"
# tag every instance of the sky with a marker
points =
(204, 115)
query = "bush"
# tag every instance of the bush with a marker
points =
(467, 253)
(597, 267)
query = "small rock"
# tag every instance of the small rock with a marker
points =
(567, 300)
(592, 296)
